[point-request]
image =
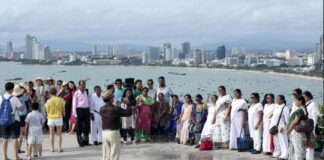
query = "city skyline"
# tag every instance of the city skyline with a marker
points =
(252, 24)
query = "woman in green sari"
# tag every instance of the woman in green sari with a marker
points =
(144, 115)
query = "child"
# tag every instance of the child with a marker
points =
(34, 123)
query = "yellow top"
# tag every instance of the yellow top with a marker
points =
(54, 108)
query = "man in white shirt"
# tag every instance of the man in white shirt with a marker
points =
(96, 102)
(162, 88)
(12, 130)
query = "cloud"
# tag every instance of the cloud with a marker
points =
(153, 22)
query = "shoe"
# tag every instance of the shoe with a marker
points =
(197, 146)
(96, 143)
(100, 143)
(256, 152)
(252, 150)
(21, 151)
(81, 145)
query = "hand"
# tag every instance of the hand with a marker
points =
(214, 120)
(92, 116)
(282, 130)
(256, 127)
(243, 124)
(226, 119)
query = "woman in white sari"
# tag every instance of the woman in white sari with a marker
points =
(267, 114)
(238, 118)
(222, 123)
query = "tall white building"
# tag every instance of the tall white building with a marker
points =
(29, 46)
(290, 53)
(9, 51)
(109, 50)
(144, 57)
(153, 54)
(175, 53)
(38, 52)
(48, 53)
(198, 56)
(94, 49)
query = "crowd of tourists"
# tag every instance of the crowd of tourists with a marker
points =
(126, 112)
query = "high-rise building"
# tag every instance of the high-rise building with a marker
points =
(48, 53)
(251, 60)
(38, 52)
(220, 52)
(144, 57)
(109, 50)
(153, 54)
(175, 53)
(29, 46)
(9, 50)
(167, 51)
(197, 57)
(118, 50)
(238, 51)
(290, 53)
(94, 49)
(185, 48)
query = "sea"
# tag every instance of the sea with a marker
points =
(192, 81)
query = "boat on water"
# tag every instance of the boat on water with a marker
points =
(15, 79)
(62, 71)
(175, 73)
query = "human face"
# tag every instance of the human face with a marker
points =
(82, 85)
(294, 94)
(150, 84)
(221, 91)
(71, 85)
(161, 98)
(269, 99)
(39, 82)
(59, 83)
(187, 99)
(213, 99)
(129, 93)
(279, 100)
(175, 99)
(197, 99)
(118, 84)
(253, 99)
(237, 95)
(145, 92)
(138, 85)
(98, 91)
(162, 82)
(306, 98)
(298, 103)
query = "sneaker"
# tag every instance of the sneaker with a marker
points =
(96, 143)
(256, 152)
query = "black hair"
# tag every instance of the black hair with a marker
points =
(161, 94)
(52, 91)
(282, 97)
(298, 91)
(214, 95)
(265, 98)
(82, 81)
(96, 87)
(128, 89)
(137, 81)
(199, 96)
(35, 106)
(59, 81)
(109, 87)
(222, 87)
(301, 99)
(150, 80)
(238, 91)
(161, 77)
(174, 95)
(9, 86)
(145, 88)
(308, 94)
(118, 80)
(188, 96)
(256, 95)
(30, 83)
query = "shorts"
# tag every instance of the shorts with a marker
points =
(12, 131)
(22, 121)
(35, 139)
(54, 123)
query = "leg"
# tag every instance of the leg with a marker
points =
(86, 126)
(59, 134)
(309, 153)
(283, 138)
(277, 149)
(15, 147)
(94, 131)
(105, 146)
(131, 133)
(40, 149)
(52, 134)
(115, 145)
(22, 135)
(4, 148)
(29, 150)
(138, 134)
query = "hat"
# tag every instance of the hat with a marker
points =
(38, 78)
(18, 90)
(107, 94)
(65, 83)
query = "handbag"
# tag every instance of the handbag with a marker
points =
(305, 125)
(206, 143)
(244, 143)
(274, 130)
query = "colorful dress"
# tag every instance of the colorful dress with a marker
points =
(160, 117)
(222, 127)
(144, 117)
(198, 120)
(171, 125)
(183, 126)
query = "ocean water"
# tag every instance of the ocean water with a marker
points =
(196, 81)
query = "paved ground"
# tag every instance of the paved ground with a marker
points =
(144, 151)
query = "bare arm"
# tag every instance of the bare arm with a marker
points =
(260, 120)
(293, 124)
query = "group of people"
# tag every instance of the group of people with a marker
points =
(126, 112)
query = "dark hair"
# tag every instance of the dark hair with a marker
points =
(199, 96)
(82, 81)
(59, 81)
(137, 81)
(238, 91)
(35, 106)
(214, 95)
(161, 94)
(308, 94)
(265, 98)
(161, 77)
(128, 89)
(174, 95)
(96, 87)
(150, 80)
(188, 96)
(298, 91)
(73, 84)
(222, 87)
(301, 99)
(9, 86)
(30, 83)
(282, 97)
(52, 91)
(109, 87)
(118, 80)
(145, 88)
(256, 95)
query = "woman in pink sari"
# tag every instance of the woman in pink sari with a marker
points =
(144, 115)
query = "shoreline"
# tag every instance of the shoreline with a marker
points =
(194, 68)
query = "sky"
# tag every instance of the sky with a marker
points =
(245, 23)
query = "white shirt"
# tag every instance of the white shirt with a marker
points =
(253, 115)
(276, 114)
(96, 103)
(167, 92)
(15, 104)
(152, 93)
(238, 104)
(313, 111)
(35, 122)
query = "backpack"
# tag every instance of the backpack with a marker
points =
(7, 117)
